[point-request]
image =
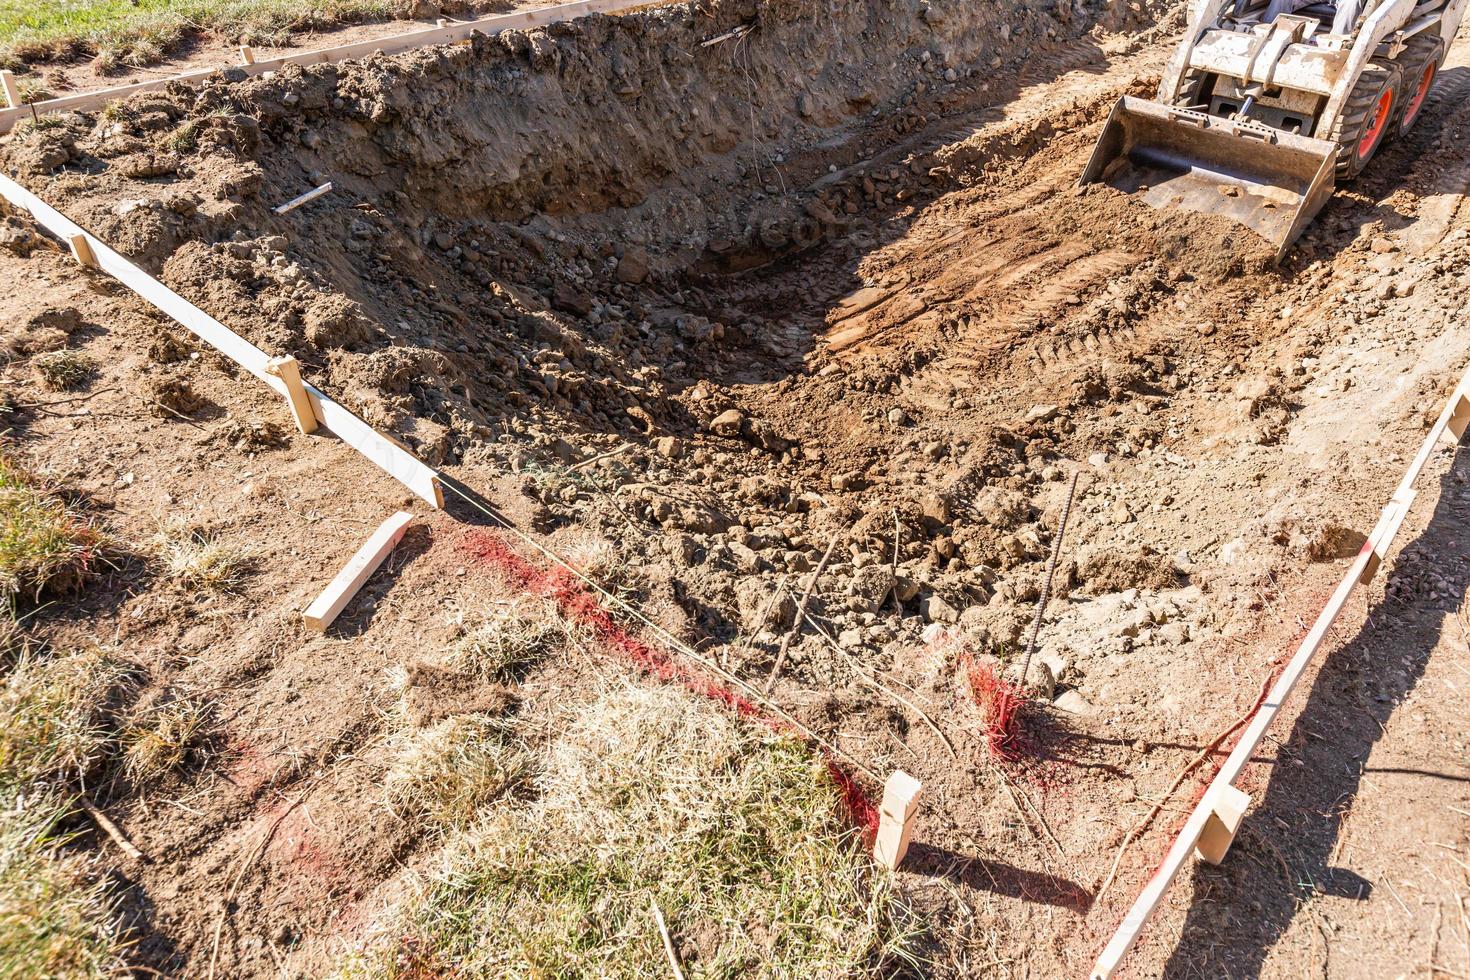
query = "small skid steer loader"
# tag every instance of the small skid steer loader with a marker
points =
(1266, 104)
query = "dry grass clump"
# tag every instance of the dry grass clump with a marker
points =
(161, 739)
(63, 370)
(198, 559)
(53, 731)
(605, 564)
(443, 776)
(53, 717)
(44, 543)
(504, 644)
(643, 796)
(53, 922)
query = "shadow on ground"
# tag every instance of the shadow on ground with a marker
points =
(1285, 853)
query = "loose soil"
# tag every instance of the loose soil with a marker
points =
(689, 311)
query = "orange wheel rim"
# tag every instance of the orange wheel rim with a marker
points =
(1422, 92)
(1375, 129)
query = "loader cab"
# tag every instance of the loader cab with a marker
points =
(1250, 13)
(1269, 63)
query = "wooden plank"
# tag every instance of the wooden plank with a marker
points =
(356, 572)
(12, 91)
(388, 455)
(1189, 837)
(394, 44)
(896, 818)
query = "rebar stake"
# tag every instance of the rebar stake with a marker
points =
(1051, 569)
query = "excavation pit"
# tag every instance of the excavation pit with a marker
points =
(693, 293)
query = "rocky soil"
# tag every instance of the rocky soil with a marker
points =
(742, 291)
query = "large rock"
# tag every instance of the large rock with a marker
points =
(570, 299)
(728, 423)
(871, 586)
(633, 266)
(935, 609)
(1003, 509)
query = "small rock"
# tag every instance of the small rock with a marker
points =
(872, 585)
(1174, 634)
(728, 423)
(1040, 682)
(1382, 246)
(935, 609)
(897, 416)
(669, 447)
(1073, 703)
(934, 508)
(746, 560)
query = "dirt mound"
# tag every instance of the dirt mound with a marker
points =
(795, 339)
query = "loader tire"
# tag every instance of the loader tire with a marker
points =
(1192, 94)
(1366, 119)
(1420, 61)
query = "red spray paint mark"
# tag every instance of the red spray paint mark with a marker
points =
(1001, 704)
(567, 591)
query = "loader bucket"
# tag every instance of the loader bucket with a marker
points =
(1270, 181)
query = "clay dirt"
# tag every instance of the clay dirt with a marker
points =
(703, 299)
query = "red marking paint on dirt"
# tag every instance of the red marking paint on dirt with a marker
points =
(1002, 705)
(578, 605)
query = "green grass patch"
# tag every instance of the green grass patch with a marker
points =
(54, 923)
(644, 796)
(44, 543)
(54, 729)
(54, 724)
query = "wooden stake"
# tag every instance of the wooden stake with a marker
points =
(334, 597)
(12, 90)
(1459, 416)
(81, 250)
(896, 818)
(1383, 534)
(247, 56)
(289, 371)
(1228, 808)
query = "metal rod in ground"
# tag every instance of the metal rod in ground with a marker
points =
(311, 195)
(1051, 570)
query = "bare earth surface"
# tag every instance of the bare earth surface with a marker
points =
(842, 287)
